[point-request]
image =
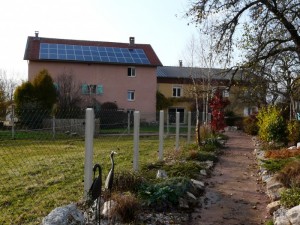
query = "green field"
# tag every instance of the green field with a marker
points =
(38, 175)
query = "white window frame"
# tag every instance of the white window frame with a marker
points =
(131, 72)
(178, 91)
(225, 93)
(131, 95)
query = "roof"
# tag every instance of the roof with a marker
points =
(196, 72)
(36, 45)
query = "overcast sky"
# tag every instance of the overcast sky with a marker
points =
(156, 22)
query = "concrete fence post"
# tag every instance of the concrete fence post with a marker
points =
(88, 162)
(161, 135)
(177, 130)
(136, 140)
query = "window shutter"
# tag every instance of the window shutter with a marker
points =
(56, 86)
(85, 89)
(99, 90)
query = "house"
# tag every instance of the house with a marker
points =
(123, 73)
(179, 84)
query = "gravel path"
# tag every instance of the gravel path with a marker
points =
(234, 194)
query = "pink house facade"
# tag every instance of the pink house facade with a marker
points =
(123, 73)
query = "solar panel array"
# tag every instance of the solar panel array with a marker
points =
(92, 54)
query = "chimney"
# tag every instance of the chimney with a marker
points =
(180, 63)
(131, 40)
(36, 35)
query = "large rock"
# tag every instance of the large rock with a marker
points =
(293, 215)
(65, 215)
(280, 218)
(273, 206)
(273, 188)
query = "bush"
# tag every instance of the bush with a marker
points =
(126, 208)
(250, 125)
(202, 156)
(289, 176)
(282, 153)
(274, 165)
(164, 195)
(290, 197)
(293, 128)
(127, 181)
(272, 126)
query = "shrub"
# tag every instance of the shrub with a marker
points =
(293, 128)
(289, 176)
(269, 222)
(290, 197)
(272, 126)
(274, 165)
(250, 125)
(282, 153)
(126, 208)
(164, 195)
(127, 181)
(202, 156)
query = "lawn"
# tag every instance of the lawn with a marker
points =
(38, 175)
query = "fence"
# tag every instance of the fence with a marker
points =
(42, 158)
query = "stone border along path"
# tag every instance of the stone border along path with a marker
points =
(234, 194)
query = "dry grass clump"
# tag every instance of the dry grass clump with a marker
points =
(289, 176)
(282, 153)
(127, 181)
(126, 207)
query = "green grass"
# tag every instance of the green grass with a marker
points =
(38, 175)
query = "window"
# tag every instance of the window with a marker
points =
(130, 95)
(225, 93)
(92, 89)
(56, 86)
(176, 91)
(131, 72)
(89, 89)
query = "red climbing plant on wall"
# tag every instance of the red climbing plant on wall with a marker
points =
(217, 105)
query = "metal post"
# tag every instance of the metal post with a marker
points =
(136, 134)
(177, 130)
(161, 135)
(88, 162)
(13, 121)
(53, 127)
(189, 127)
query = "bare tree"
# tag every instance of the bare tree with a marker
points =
(275, 23)
(69, 91)
(7, 88)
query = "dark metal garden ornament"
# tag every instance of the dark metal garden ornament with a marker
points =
(96, 189)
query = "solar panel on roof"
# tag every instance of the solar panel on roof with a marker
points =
(92, 53)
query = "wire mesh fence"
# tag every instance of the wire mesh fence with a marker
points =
(42, 156)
